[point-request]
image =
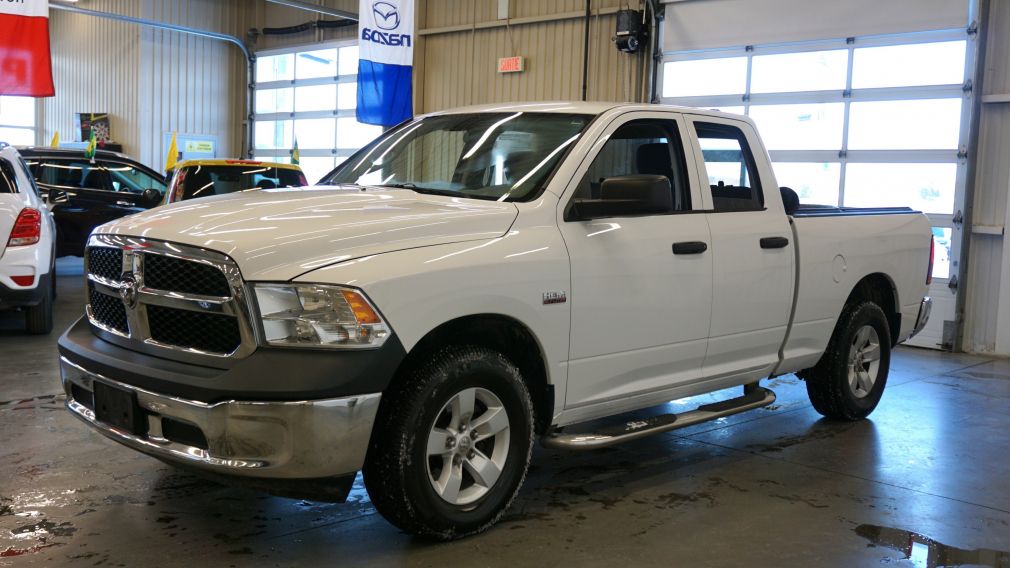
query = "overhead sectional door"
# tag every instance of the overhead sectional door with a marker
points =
(857, 122)
(309, 95)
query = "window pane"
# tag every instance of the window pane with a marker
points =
(726, 76)
(347, 95)
(790, 72)
(352, 134)
(17, 111)
(315, 133)
(273, 100)
(908, 65)
(348, 60)
(17, 136)
(941, 252)
(816, 184)
(315, 167)
(724, 149)
(800, 127)
(275, 68)
(273, 134)
(926, 187)
(929, 124)
(318, 97)
(311, 64)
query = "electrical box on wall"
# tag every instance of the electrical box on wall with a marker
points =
(630, 30)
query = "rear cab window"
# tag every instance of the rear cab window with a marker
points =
(730, 167)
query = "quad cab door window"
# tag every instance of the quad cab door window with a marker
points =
(640, 310)
(752, 253)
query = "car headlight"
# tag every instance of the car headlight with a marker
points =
(307, 315)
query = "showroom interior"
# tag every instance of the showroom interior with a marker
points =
(353, 302)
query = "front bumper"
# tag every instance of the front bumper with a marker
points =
(925, 309)
(290, 440)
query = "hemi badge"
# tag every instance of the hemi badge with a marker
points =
(555, 298)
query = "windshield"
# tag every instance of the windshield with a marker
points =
(498, 156)
(204, 181)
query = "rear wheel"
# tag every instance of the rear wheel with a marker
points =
(39, 318)
(849, 380)
(451, 445)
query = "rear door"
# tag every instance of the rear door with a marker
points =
(752, 249)
(640, 313)
(80, 197)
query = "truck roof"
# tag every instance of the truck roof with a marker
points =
(576, 107)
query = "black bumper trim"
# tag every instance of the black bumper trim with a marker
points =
(10, 298)
(268, 374)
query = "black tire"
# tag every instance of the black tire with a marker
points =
(396, 470)
(39, 318)
(828, 384)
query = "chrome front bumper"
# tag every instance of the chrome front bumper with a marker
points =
(925, 309)
(312, 439)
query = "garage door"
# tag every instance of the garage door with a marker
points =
(861, 122)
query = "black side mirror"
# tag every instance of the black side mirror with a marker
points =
(626, 196)
(790, 200)
(150, 198)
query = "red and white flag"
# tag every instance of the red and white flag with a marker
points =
(25, 68)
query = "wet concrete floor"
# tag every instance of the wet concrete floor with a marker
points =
(924, 482)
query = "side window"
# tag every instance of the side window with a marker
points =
(8, 181)
(129, 179)
(732, 174)
(71, 174)
(640, 148)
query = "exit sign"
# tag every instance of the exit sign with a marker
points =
(510, 64)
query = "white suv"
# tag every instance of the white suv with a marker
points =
(27, 236)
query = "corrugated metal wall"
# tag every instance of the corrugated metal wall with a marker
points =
(987, 309)
(460, 43)
(95, 67)
(150, 81)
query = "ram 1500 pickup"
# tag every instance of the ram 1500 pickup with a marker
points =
(472, 280)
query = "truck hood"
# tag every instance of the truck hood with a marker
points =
(280, 234)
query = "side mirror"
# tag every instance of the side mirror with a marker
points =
(790, 200)
(150, 198)
(626, 196)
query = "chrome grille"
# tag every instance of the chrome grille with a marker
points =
(167, 299)
(107, 310)
(167, 273)
(106, 262)
(194, 330)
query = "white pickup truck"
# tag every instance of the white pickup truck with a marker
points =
(474, 279)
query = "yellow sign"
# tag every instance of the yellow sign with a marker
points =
(202, 146)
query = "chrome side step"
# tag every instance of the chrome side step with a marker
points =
(754, 397)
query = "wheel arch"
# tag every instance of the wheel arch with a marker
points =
(880, 289)
(504, 334)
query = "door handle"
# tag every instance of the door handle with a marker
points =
(774, 242)
(689, 247)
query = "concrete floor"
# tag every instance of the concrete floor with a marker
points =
(924, 482)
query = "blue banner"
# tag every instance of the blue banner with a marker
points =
(385, 61)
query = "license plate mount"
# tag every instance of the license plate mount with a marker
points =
(119, 408)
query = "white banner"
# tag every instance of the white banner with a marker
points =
(387, 31)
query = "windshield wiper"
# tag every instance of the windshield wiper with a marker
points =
(425, 190)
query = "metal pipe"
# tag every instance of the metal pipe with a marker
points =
(317, 9)
(585, 51)
(153, 24)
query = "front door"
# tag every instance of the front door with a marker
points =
(640, 312)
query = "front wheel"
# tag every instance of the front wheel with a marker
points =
(451, 445)
(849, 380)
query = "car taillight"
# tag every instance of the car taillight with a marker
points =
(27, 228)
(929, 269)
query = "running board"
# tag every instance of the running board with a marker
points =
(754, 397)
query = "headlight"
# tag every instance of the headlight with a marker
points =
(307, 315)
